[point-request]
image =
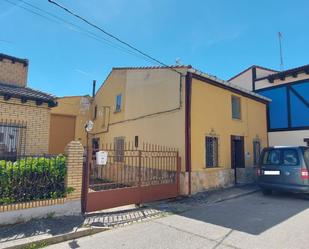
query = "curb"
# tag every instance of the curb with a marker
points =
(236, 196)
(58, 239)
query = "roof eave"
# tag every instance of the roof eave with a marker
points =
(227, 85)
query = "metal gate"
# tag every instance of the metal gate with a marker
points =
(131, 176)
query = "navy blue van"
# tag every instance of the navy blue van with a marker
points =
(284, 169)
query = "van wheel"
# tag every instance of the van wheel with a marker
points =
(266, 191)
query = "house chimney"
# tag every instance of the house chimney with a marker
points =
(93, 87)
(13, 70)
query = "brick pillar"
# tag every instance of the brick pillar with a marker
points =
(74, 152)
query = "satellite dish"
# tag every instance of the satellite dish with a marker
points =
(89, 126)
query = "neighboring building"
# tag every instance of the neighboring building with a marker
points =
(68, 121)
(215, 125)
(288, 113)
(24, 112)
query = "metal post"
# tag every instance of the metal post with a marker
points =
(85, 183)
(178, 173)
(139, 168)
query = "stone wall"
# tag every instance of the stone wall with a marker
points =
(214, 179)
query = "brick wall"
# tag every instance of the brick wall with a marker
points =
(36, 118)
(13, 72)
(74, 152)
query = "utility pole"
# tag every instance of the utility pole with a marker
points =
(280, 46)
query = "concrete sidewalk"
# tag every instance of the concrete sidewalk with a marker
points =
(54, 230)
(204, 198)
(251, 221)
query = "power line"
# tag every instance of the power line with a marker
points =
(58, 20)
(112, 36)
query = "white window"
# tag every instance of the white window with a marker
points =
(118, 103)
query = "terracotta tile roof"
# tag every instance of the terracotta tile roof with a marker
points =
(27, 93)
(228, 85)
(189, 68)
(152, 67)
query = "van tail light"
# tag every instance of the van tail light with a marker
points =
(258, 172)
(304, 174)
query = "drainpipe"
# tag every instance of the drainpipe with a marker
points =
(188, 128)
(93, 88)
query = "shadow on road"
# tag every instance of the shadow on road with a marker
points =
(251, 214)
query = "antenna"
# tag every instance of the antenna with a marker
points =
(280, 46)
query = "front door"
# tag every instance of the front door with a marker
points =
(237, 154)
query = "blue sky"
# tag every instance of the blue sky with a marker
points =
(220, 37)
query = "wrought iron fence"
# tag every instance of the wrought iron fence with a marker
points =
(32, 177)
(150, 165)
(12, 139)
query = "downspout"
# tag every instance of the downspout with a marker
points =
(253, 78)
(188, 128)
(93, 88)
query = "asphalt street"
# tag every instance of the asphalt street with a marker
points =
(252, 221)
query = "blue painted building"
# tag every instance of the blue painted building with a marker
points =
(288, 113)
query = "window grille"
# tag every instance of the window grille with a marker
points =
(211, 144)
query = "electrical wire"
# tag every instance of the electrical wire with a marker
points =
(112, 36)
(59, 20)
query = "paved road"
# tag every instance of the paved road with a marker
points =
(252, 221)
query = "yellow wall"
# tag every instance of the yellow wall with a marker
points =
(72, 106)
(144, 92)
(211, 113)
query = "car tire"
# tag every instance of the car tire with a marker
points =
(266, 191)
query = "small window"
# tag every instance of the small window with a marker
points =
(119, 149)
(1, 137)
(211, 144)
(290, 157)
(271, 157)
(256, 151)
(118, 103)
(236, 108)
(95, 112)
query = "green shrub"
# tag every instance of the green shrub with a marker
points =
(32, 178)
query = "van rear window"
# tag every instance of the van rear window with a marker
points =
(271, 157)
(286, 157)
(290, 157)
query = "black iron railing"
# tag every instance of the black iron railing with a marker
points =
(12, 139)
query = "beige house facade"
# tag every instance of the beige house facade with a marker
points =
(214, 124)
